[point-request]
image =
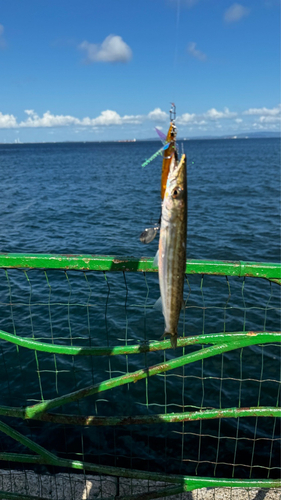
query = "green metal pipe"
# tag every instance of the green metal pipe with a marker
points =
(31, 411)
(9, 431)
(210, 338)
(189, 482)
(275, 280)
(113, 263)
(22, 458)
(92, 420)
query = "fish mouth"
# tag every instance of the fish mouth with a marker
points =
(177, 168)
(177, 172)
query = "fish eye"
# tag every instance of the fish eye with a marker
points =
(176, 192)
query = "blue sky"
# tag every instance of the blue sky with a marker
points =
(108, 69)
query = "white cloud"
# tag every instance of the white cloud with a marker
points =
(33, 120)
(235, 13)
(135, 119)
(263, 117)
(213, 114)
(264, 111)
(158, 115)
(7, 121)
(201, 119)
(191, 49)
(107, 117)
(47, 120)
(112, 49)
(270, 119)
(187, 118)
(274, 127)
(29, 112)
(266, 115)
(110, 117)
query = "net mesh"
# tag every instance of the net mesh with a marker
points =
(76, 308)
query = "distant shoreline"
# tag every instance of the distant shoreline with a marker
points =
(185, 139)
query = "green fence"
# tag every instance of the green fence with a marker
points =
(88, 386)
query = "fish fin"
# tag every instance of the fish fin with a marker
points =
(155, 262)
(173, 338)
(158, 304)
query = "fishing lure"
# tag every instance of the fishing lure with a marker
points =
(168, 151)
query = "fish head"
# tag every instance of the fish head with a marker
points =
(176, 189)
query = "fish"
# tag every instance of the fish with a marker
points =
(172, 247)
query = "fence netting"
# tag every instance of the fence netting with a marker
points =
(106, 309)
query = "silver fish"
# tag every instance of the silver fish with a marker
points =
(172, 247)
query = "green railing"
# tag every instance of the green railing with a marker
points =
(60, 317)
(265, 270)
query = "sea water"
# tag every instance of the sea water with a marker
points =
(95, 198)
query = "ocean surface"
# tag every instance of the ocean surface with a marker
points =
(95, 198)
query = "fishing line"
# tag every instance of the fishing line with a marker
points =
(177, 33)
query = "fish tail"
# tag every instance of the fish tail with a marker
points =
(173, 336)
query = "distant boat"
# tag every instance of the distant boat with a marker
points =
(129, 140)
